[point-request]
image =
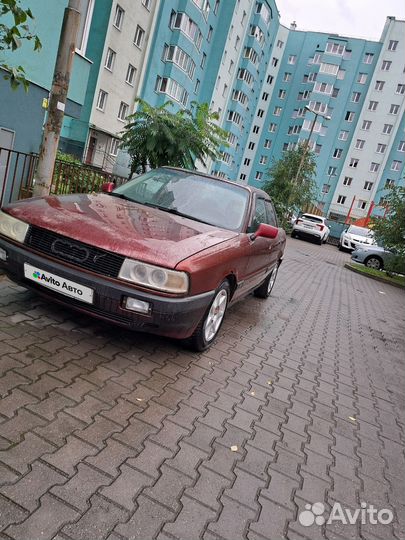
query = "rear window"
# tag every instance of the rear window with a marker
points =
(314, 219)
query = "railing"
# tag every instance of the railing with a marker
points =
(17, 171)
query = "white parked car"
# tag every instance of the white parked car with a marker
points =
(310, 225)
(353, 236)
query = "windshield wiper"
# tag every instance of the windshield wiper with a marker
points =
(177, 213)
(122, 196)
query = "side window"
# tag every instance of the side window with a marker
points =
(259, 216)
(271, 214)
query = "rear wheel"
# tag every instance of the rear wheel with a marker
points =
(293, 234)
(374, 262)
(210, 324)
(266, 287)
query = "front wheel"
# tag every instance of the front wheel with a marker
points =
(266, 287)
(374, 262)
(210, 324)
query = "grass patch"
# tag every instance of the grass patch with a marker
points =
(381, 275)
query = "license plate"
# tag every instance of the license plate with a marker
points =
(59, 284)
(309, 226)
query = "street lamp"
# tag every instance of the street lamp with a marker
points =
(306, 143)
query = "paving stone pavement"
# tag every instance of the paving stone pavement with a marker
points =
(107, 434)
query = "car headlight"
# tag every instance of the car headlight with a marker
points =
(12, 227)
(154, 277)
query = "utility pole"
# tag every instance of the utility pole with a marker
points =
(57, 99)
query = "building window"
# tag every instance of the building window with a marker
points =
(366, 125)
(287, 77)
(269, 79)
(264, 12)
(387, 129)
(263, 160)
(368, 185)
(329, 69)
(280, 44)
(251, 146)
(335, 48)
(245, 75)
(118, 17)
(114, 147)
(267, 143)
(101, 100)
(238, 95)
(172, 88)
(381, 148)
(123, 111)
(386, 65)
(332, 171)
(323, 88)
(231, 66)
(292, 59)
(372, 106)
(256, 129)
(131, 72)
(246, 162)
(362, 78)
(374, 166)
(216, 7)
(389, 184)
(209, 35)
(259, 175)
(347, 181)
(274, 61)
(173, 53)
(110, 59)
(368, 58)
(258, 34)
(282, 94)
(197, 86)
(242, 177)
(337, 154)
(394, 109)
(392, 45)
(396, 165)
(355, 97)
(349, 116)
(401, 146)
(341, 199)
(325, 188)
(234, 117)
(147, 4)
(379, 85)
(277, 111)
(272, 128)
(353, 163)
(361, 205)
(400, 89)
(250, 53)
(182, 22)
(139, 37)
(260, 113)
(265, 96)
(343, 135)
(360, 144)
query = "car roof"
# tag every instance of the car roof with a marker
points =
(247, 187)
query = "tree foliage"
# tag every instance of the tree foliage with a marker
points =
(390, 229)
(288, 194)
(12, 36)
(155, 136)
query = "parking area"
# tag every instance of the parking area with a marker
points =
(110, 434)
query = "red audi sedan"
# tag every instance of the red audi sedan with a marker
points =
(165, 253)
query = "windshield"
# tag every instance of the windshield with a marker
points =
(315, 219)
(360, 231)
(190, 195)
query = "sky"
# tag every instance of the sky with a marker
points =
(355, 18)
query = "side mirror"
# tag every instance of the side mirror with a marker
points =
(266, 231)
(107, 187)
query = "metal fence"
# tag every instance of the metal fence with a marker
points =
(17, 170)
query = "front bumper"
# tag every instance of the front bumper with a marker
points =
(172, 317)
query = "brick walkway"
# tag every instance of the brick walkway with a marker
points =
(108, 434)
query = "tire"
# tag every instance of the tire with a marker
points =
(374, 262)
(320, 241)
(340, 247)
(206, 331)
(325, 239)
(266, 287)
(293, 234)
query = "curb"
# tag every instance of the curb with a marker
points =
(376, 278)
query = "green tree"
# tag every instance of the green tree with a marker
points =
(11, 37)
(154, 136)
(288, 194)
(390, 229)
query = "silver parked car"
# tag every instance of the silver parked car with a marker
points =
(353, 236)
(372, 256)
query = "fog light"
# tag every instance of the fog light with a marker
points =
(138, 305)
(3, 254)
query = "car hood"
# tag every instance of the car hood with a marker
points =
(371, 248)
(120, 226)
(358, 238)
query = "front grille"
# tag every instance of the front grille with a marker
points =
(74, 252)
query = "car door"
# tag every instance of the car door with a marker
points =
(260, 248)
(276, 250)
